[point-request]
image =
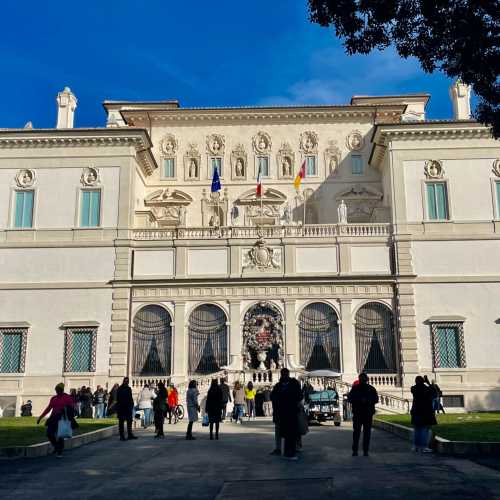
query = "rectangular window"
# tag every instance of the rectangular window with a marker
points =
(357, 165)
(169, 167)
(12, 350)
(448, 345)
(217, 164)
(311, 170)
(263, 165)
(80, 346)
(437, 201)
(24, 209)
(90, 208)
(497, 186)
(453, 401)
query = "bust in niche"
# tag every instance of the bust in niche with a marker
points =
(169, 146)
(433, 169)
(309, 144)
(193, 169)
(286, 167)
(216, 146)
(239, 169)
(91, 177)
(27, 178)
(262, 143)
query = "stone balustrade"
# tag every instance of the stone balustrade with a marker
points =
(307, 231)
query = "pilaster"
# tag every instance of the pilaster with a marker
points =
(348, 340)
(119, 341)
(291, 337)
(180, 262)
(235, 336)
(179, 340)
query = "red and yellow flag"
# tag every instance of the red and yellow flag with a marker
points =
(300, 175)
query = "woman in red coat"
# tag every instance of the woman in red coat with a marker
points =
(172, 401)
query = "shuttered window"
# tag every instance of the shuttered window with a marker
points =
(12, 349)
(311, 169)
(90, 208)
(437, 201)
(357, 165)
(169, 167)
(263, 166)
(23, 217)
(217, 164)
(497, 186)
(448, 345)
(80, 344)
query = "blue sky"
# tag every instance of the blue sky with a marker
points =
(201, 53)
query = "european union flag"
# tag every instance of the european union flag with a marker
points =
(216, 181)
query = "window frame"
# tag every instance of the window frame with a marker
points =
(362, 172)
(316, 164)
(257, 161)
(23, 330)
(162, 174)
(78, 222)
(436, 360)
(425, 199)
(69, 331)
(495, 193)
(13, 208)
(210, 166)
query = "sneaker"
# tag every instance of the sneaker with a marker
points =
(276, 453)
(293, 459)
(427, 450)
(59, 455)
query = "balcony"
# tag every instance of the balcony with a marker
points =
(292, 231)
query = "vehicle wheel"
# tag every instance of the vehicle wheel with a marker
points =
(337, 424)
(180, 412)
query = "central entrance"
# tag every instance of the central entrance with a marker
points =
(263, 344)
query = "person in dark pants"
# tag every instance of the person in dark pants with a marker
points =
(286, 396)
(422, 414)
(124, 408)
(363, 398)
(213, 408)
(160, 409)
(226, 397)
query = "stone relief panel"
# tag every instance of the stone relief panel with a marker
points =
(167, 208)
(332, 158)
(496, 167)
(286, 161)
(90, 177)
(261, 211)
(433, 169)
(262, 143)
(361, 202)
(261, 257)
(309, 142)
(169, 145)
(239, 163)
(192, 163)
(216, 145)
(355, 141)
(25, 178)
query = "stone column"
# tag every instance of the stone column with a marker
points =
(235, 337)
(180, 341)
(348, 340)
(291, 337)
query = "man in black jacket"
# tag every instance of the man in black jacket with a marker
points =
(124, 409)
(226, 397)
(363, 398)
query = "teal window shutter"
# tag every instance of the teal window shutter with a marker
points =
(217, 164)
(431, 202)
(264, 165)
(169, 167)
(11, 349)
(85, 209)
(81, 351)
(23, 217)
(357, 165)
(310, 165)
(448, 347)
(497, 185)
(437, 202)
(90, 208)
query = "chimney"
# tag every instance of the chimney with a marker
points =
(460, 98)
(66, 105)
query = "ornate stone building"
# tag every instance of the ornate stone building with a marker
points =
(117, 259)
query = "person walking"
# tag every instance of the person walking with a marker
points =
(124, 409)
(98, 401)
(86, 402)
(144, 403)
(59, 405)
(172, 403)
(250, 393)
(239, 402)
(422, 414)
(286, 397)
(111, 409)
(160, 409)
(213, 408)
(437, 395)
(363, 398)
(192, 408)
(226, 397)
(267, 406)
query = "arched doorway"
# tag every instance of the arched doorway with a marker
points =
(152, 341)
(375, 341)
(319, 337)
(263, 343)
(207, 339)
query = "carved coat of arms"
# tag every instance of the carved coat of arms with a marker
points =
(262, 257)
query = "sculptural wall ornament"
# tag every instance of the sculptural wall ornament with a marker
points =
(285, 160)
(433, 169)
(169, 145)
(239, 162)
(263, 345)
(309, 142)
(25, 178)
(90, 176)
(342, 212)
(216, 144)
(355, 141)
(496, 167)
(192, 162)
(262, 143)
(332, 158)
(262, 257)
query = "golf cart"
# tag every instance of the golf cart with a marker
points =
(322, 404)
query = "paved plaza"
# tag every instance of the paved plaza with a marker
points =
(239, 466)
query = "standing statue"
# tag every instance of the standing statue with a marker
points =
(193, 171)
(342, 213)
(234, 215)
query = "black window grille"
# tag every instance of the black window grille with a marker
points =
(13, 349)
(375, 339)
(152, 342)
(453, 401)
(319, 337)
(448, 348)
(80, 350)
(208, 342)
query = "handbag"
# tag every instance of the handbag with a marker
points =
(64, 429)
(204, 422)
(302, 422)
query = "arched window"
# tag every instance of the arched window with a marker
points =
(152, 341)
(375, 342)
(207, 339)
(319, 337)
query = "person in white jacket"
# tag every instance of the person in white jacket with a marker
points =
(144, 403)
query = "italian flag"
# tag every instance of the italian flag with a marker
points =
(258, 191)
(300, 175)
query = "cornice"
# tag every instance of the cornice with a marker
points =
(99, 137)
